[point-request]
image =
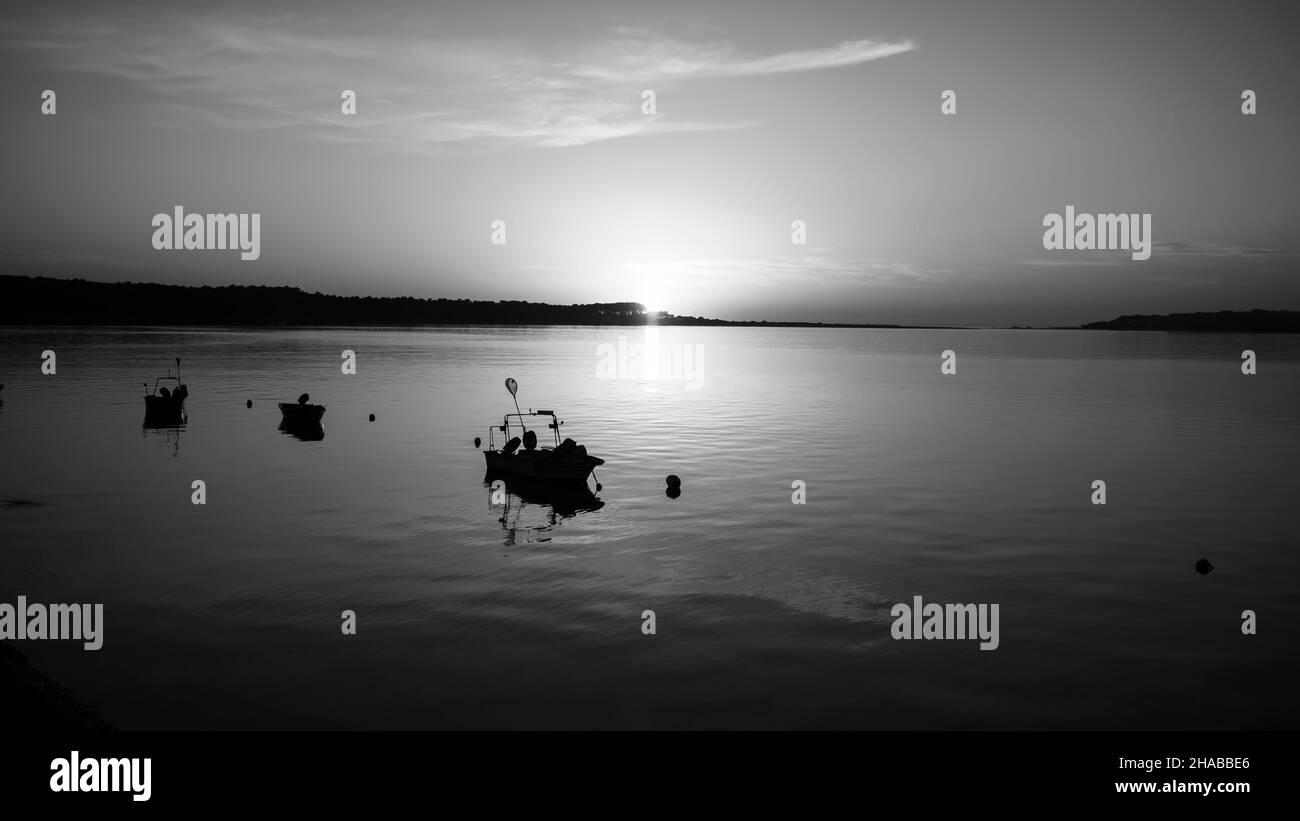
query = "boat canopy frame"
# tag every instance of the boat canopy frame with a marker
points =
(167, 378)
(506, 425)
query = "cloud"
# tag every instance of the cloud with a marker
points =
(413, 94)
(45, 259)
(1185, 252)
(1079, 261)
(644, 57)
(1209, 249)
(809, 270)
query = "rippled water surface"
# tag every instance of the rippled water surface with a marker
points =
(966, 488)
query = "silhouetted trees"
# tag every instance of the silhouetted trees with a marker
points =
(47, 301)
(1257, 321)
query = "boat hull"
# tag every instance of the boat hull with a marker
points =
(302, 414)
(540, 464)
(163, 410)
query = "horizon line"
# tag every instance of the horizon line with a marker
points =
(652, 318)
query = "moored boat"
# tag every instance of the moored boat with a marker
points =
(302, 413)
(565, 461)
(164, 405)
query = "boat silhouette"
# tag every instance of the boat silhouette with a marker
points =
(301, 420)
(565, 462)
(164, 406)
(302, 413)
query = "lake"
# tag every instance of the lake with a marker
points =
(974, 487)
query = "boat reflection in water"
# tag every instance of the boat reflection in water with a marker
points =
(554, 503)
(169, 434)
(303, 430)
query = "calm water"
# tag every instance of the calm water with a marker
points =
(965, 488)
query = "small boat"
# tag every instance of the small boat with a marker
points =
(565, 461)
(303, 431)
(163, 405)
(302, 413)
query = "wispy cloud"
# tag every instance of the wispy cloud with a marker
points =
(46, 259)
(1079, 261)
(412, 94)
(1185, 252)
(813, 269)
(640, 56)
(1209, 249)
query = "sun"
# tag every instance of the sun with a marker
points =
(653, 301)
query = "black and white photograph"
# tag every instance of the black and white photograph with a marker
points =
(630, 378)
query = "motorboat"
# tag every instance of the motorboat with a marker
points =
(564, 461)
(165, 406)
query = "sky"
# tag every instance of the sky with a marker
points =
(764, 113)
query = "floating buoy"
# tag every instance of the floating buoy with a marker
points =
(672, 492)
(674, 480)
(372, 417)
(477, 441)
(250, 403)
(1203, 566)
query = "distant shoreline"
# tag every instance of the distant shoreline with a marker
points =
(46, 301)
(1256, 321)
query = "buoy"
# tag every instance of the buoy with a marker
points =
(250, 403)
(673, 492)
(372, 417)
(674, 480)
(1203, 566)
(477, 441)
